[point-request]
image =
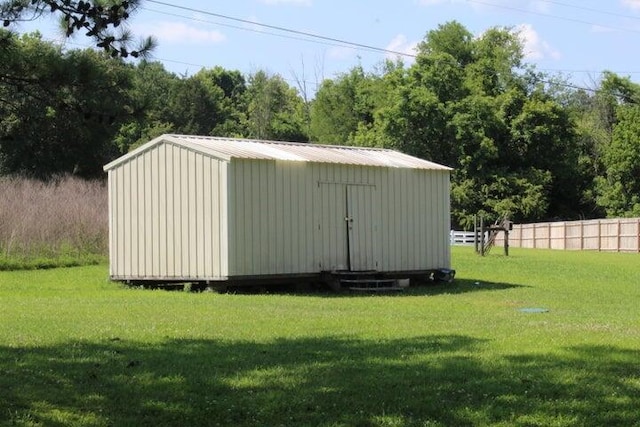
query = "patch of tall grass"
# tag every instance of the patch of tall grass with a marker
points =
(62, 222)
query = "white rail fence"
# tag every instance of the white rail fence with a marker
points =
(461, 238)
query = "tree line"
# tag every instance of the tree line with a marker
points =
(522, 143)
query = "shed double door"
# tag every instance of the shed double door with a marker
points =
(347, 227)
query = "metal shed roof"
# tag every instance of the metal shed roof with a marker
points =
(229, 148)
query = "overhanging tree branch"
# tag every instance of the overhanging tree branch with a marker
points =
(102, 20)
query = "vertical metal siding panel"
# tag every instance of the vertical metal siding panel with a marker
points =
(438, 226)
(225, 216)
(434, 220)
(207, 218)
(140, 196)
(383, 224)
(287, 220)
(241, 218)
(111, 209)
(396, 221)
(127, 218)
(219, 209)
(422, 228)
(183, 209)
(381, 215)
(425, 218)
(192, 215)
(259, 211)
(247, 223)
(373, 228)
(296, 228)
(315, 213)
(114, 222)
(272, 216)
(214, 209)
(172, 192)
(417, 232)
(120, 218)
(413, 240)
(250, 217)
(394, 201)
(324, 235)
(308, 191)
(199, 215)
(247, 207)
(162, 212)
(155, 212)
(291, 226)
(401, 218)
(232, 216)
(447, 217)
(147, 218)
(237, 217)
(259, 203)
(135, 226)
(278, 222)
(435, 195)
(407, 241)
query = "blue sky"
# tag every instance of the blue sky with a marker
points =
(579, 38)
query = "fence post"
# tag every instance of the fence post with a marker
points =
(475, 232)
(619, 240)
(520, 227)
(534, 237)
(599, 236)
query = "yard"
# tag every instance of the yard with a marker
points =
(76, 349)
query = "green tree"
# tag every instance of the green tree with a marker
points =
(274, 109)
(231, 110)
(470, 103)
(619, 189)
(150, 89)
(58, 111)
(102, 20)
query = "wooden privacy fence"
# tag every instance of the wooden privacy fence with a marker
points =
(613, 235)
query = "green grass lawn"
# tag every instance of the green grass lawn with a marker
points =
(76, 349)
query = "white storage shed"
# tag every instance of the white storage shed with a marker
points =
(206, 209)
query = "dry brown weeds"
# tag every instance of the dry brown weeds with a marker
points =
(66, 216)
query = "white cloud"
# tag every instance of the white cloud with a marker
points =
(178, 32)
(400, 44)
(601, 29)
(631, 4)
(539, 6)
(340, 53)
(534, 47)
(290, 2)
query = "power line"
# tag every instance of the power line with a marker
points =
(548, 15)
(590, 9)
(287, 30)
(254, 30)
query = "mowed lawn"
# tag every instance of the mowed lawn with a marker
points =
(76, 349)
